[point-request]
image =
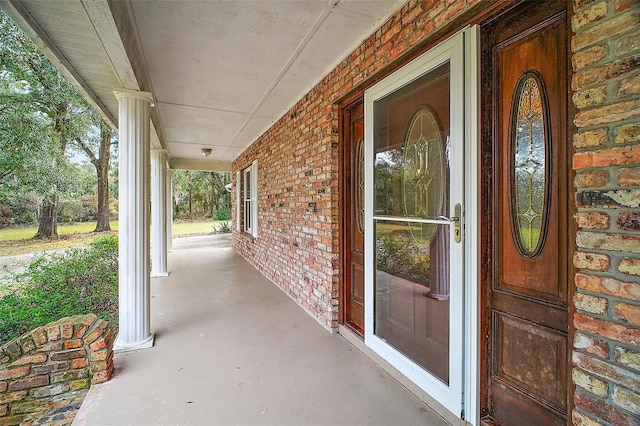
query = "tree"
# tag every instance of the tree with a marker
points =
(47, 111)
(200, 193)
(220, 197)
(51, 177)
(102, 162)
(19, 131)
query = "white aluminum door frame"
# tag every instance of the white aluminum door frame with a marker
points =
(462, 53)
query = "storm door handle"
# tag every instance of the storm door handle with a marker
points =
(457, 228)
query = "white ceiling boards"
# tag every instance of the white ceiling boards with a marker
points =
(221, 72)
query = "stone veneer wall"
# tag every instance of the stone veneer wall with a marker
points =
(606, 85)
(45, 373)
(298, 192)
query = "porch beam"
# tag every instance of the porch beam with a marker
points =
(159, 213)
(200, 164)
(134, 201)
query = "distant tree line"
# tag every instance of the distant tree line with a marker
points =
(199, 194)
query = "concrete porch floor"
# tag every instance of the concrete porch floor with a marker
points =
(231, 348)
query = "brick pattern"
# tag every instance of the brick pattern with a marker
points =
(606, 89)
(298, 167)
(45, 373)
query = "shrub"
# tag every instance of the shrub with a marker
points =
(113, 207)
(5, 216)
(403, 258)
(222, 228)
(24, 207)
(223, 213)
(70, 211)
(76, 281)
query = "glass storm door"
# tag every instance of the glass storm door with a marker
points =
(414, 174)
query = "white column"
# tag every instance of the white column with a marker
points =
(134, 172)
(169, 211)
(159, 213)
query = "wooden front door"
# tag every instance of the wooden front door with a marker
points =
(526, 237)
(353, 216)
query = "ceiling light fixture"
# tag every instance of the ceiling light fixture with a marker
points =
(205, 152)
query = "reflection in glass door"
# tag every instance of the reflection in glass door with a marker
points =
(414, 196)
(411, 220)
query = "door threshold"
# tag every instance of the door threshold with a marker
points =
(357, 341)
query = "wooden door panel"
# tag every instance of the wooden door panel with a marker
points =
(353, 211)
(356, 305)
(543, 275)
(513, 408)
(545, 314)
(357, 292)
(527, 349)
(532, 358)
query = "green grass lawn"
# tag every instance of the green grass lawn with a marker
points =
(13, 234)
(20, 240)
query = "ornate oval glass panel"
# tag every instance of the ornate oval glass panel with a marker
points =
(529, 184)
(424, 173)
(360, 184)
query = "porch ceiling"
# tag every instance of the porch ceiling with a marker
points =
(222, 72)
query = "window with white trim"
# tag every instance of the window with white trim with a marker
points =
(250, 199)
(238, 201)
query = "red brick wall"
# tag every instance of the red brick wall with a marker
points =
(298, 167)
(298, 192)
(45, 373)
(606, 85)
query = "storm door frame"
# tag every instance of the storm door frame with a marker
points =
(462, 395)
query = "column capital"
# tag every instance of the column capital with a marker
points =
(135, 94)
(160, 150)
